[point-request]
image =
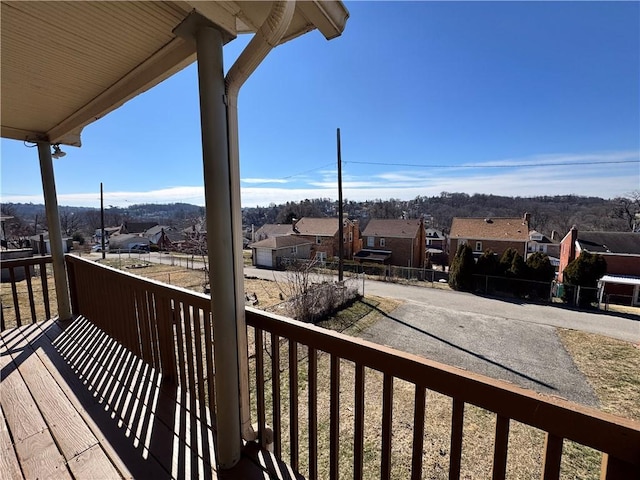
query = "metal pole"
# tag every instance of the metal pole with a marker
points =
(340, 219)
(215, 154)
(102, 220)
(55, 233)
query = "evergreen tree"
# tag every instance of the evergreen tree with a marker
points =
(585, 271)
(462, 268)
(540, 268)
(488, 264)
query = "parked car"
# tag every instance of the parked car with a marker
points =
(98, 248)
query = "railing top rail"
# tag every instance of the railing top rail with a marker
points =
(200, 300)
(23, 262)
(605, 432)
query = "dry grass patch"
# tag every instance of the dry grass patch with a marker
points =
(612, 368)
(24, 305)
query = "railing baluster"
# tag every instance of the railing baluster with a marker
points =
(313, 413)
(208, 342)
(259, 345)
(275, 386)
(552, 457)
(418, 433)
(358, 433)
(501, 448)
(45, 289)
(387, 417)
(32, 305)
(613, 468)
(334, 422)
(293, 404)
(14, 291)
(182, 355)
(457, 421)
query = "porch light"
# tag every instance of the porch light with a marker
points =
(57, 153)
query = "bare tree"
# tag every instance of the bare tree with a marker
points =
(628, 209)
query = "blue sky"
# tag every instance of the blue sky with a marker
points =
(508, 98)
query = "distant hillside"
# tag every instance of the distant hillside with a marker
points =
(557, 213)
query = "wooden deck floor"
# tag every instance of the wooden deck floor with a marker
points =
(75, 404)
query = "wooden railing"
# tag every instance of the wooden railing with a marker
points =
(618, 439)
(168, 327)
(172, 330)
(30, 300)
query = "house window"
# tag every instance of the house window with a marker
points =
(428, 241)
(541, 248)
(350, 236)
(318, 239)
(462, 241)
(294, 249)
(321, 256)
(371, 241)
(478, 246)
(382, 242)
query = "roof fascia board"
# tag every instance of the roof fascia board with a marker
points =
(19, 134)
(327, 16)
(170, 59)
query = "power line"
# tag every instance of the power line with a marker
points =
(511, 165)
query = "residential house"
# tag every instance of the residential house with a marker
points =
(541, 243)
(621, 251)
(395, 242)
(159, 235)
(323, 233)
(496, 234)
(276, 252)
(270, 230)
(108, 231)
(435, 239)
(67, 243)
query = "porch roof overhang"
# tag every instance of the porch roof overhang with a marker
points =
(67, 64)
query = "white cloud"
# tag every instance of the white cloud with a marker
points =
(540, 178)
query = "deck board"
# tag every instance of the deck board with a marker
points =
(9, 465)
(75, 404)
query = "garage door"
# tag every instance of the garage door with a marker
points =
(264, 257)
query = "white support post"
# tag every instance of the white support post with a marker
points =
(55, 234)
(220, 243)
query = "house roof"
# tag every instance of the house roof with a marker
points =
(392, 228)
(326, 227)
(610, 242)
(139, 227)
(283, 241)
(432, 233)
(621, 279)
(157, 229)
(513, 229)
(274, 230)
(67, 64)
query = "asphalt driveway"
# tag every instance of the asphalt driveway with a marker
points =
(522, 353)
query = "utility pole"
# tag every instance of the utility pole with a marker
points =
(102, 221)
(340, 219)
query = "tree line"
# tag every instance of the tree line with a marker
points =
(548, 213)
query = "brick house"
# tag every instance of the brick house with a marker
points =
(496, 234)
(323, 233)
(621, 251)
(395, 242)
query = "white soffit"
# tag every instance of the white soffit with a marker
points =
(66, 64)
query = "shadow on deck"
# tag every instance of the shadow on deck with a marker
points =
(75, 403)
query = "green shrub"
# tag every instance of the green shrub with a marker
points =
(462, 269)
(585, 271)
